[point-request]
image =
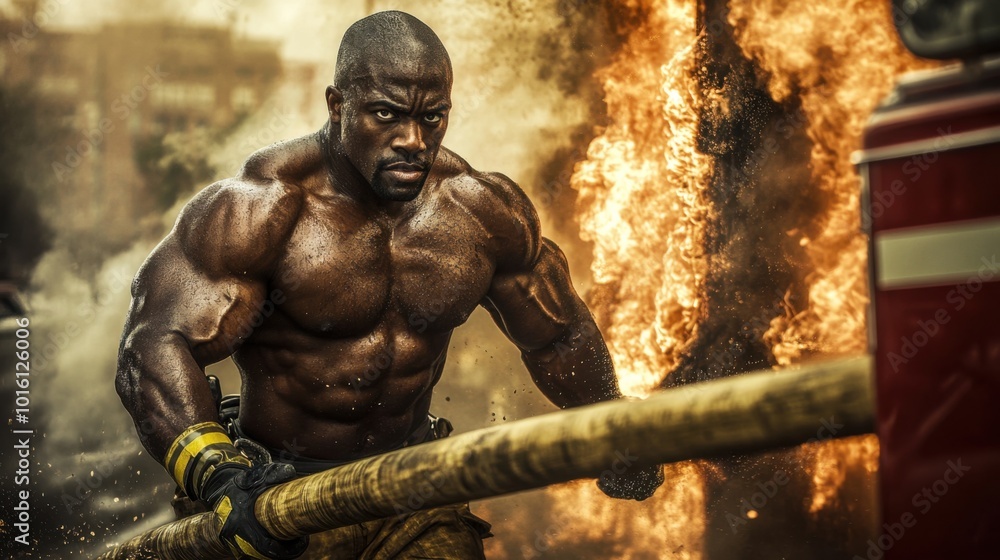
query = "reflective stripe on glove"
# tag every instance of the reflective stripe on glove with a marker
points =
(232, 491)
(196, 453)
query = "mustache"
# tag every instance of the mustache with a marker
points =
(388, 163)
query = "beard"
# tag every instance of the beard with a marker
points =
(387, 188)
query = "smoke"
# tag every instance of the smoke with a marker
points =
(27, 132)
(522, 93)
(528, 103)
(97, 483)
(762, 200)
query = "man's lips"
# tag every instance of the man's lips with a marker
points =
(405, 172)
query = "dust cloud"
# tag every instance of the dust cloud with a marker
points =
(524, 106)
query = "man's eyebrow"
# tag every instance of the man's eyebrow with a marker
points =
(440, 107)
(386, 103)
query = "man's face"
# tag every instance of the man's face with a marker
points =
(392, 124)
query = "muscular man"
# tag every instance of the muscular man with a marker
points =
(367, 243)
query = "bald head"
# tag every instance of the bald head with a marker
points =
(390, 102)
(389, 42)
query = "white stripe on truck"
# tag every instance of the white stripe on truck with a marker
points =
(938, 255)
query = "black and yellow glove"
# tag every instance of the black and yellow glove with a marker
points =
(195, 454)
(632, 484)
(232, 492)
(206, 464)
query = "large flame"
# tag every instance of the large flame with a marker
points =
(642, 204)
(641, 199)
(842, 58)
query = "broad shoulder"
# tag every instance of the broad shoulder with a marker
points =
(294, 161)
(241, 224)
(499, 204)
(238, 225)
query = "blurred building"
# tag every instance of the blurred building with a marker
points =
(120, 86)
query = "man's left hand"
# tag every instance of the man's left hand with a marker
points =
(232, 492)
(633, 484)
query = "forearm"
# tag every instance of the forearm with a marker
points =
(560, 344)
(576, 368)
(166, 392)
(163, 388)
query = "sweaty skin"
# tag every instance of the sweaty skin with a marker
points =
(340, 307)
(364, 303)
(334, 267)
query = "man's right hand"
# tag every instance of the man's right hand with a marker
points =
(232, 491)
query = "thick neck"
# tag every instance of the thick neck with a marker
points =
(344, 177)
(346, 180)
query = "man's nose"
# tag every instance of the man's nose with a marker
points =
(410, 138)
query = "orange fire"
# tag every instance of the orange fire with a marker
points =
(844, 57)
(643, 204)
(641, 199)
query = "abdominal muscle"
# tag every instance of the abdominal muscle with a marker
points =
(337, 399)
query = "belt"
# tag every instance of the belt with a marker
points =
(429, 430)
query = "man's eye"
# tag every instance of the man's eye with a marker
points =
(432, 118)
(384, 114)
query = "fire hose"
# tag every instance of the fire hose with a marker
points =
(741, 414)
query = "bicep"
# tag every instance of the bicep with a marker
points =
(176, 299)
(205, 282)
(536, 306)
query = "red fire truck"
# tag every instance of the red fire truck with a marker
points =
(930, 166)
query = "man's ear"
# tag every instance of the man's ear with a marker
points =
(334, 103)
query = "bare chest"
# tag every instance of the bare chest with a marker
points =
(344, 274)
